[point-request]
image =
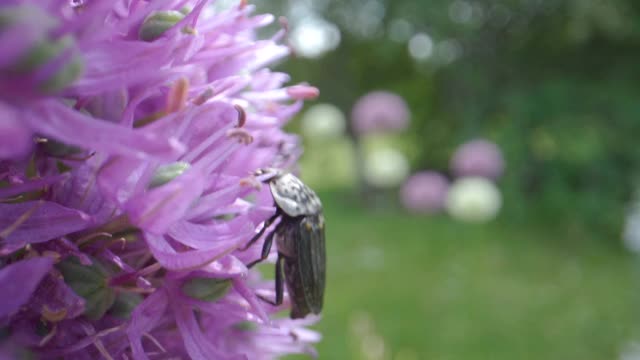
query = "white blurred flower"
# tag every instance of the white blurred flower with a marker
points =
(314, 37)
(386, 167)
(473, 199)
(420, 46)
(323, 121)
(631, 234)
(330, 164)
(631, 351)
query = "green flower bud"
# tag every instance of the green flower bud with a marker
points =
(91, 283)
(157, 23)
(166, 173)
(42, 53)
(207, 289)
(58, 149)
(124, 304)
(46, 51)
(65, 76)
(245, 326)
(43, 49)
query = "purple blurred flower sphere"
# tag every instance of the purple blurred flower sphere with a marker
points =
(425, 192)
(128, 133)
(380, 112)
(478, 158)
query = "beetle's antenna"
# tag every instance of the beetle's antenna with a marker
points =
(288, 153)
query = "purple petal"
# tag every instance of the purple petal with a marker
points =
(19, 280)
(264, 79)
(12, 351)
(66, 248)
(32, 185)
(143, 319)
(15, 138)
(54, 119)
(118, 63)
(56, 297)
(156, 210)
(38, 221)
(188, 260)
(195, 342)
(248, 294)
(234, 311)
(79, 192)
(121, 178)
(28, 25)
(227, 266)
(17, 40)
(199, 236)
(221, 197)
(110, 106)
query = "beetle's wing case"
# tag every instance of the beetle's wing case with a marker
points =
(312, 260)
(293, 197)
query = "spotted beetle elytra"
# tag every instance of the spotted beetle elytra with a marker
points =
(300, 240)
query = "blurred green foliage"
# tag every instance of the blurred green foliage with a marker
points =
(434, 288)
(554, 82)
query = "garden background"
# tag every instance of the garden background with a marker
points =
(556, 85)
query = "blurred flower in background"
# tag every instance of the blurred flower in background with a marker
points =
(481, 68)
(375, 118)
(323, 122)
(328, 160)
(386, 168)
(129, 130)
(473, 199)
(367, 342)
(425, 192)
(380, 112)
(313, 36)
(478, 158)
(631, 231)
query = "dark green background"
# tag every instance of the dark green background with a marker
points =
(557, 85)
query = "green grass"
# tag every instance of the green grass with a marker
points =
(437, 289)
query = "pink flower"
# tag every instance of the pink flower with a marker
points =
(478, 158)
(425, 192)
(379, 112)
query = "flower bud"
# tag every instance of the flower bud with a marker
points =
(157, 23)
(89, 282)
(206, 289)
(47, 63)
(166, 173)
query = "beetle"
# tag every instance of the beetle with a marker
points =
(300, 240)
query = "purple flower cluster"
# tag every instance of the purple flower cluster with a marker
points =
(128, 130)
(380, 112)
(425, 192)
(478, 157)
(429, 191)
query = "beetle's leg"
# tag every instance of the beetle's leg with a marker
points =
(266, 248)
(257, 236)
(279, 279)
(279, 283)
